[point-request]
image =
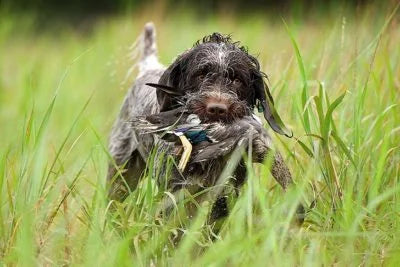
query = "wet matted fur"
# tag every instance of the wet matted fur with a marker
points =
(215, 69)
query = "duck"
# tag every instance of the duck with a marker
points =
(172, 125)
(200, 141)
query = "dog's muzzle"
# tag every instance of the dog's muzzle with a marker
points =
(214, 106)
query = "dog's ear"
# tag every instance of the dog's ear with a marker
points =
(265, 103)
(172, 77)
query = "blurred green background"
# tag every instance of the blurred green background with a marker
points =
(65, 68)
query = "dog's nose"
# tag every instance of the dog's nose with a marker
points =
(217, 109)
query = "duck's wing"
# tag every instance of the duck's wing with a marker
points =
(159, 122)
(208, 151)
(225, 138)
(168, 117)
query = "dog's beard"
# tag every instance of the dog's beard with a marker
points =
(236, 108)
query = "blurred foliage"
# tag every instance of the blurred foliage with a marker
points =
(91, 7)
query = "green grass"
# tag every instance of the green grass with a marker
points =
(335, 79)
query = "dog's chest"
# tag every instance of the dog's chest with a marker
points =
(198, 175)
(205, 174)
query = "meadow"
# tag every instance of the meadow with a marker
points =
(335, 77)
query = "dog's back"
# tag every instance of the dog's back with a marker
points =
(124, 146)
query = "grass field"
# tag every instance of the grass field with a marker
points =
(335, 78)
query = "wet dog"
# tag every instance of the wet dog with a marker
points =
(221, 83)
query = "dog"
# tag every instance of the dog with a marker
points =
(218, 81)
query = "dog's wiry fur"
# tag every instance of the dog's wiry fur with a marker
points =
(124, 145)
(215, 69)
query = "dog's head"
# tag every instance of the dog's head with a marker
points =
(219, 81)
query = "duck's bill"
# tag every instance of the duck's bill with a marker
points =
(165, 88)
(187, 151)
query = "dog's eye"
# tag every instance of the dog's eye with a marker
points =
(201, 77)
(236, 82)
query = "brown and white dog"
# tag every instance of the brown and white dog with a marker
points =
(221, 83)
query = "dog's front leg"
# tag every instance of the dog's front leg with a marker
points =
(279, 170)
(227, 198)
(261, 149)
